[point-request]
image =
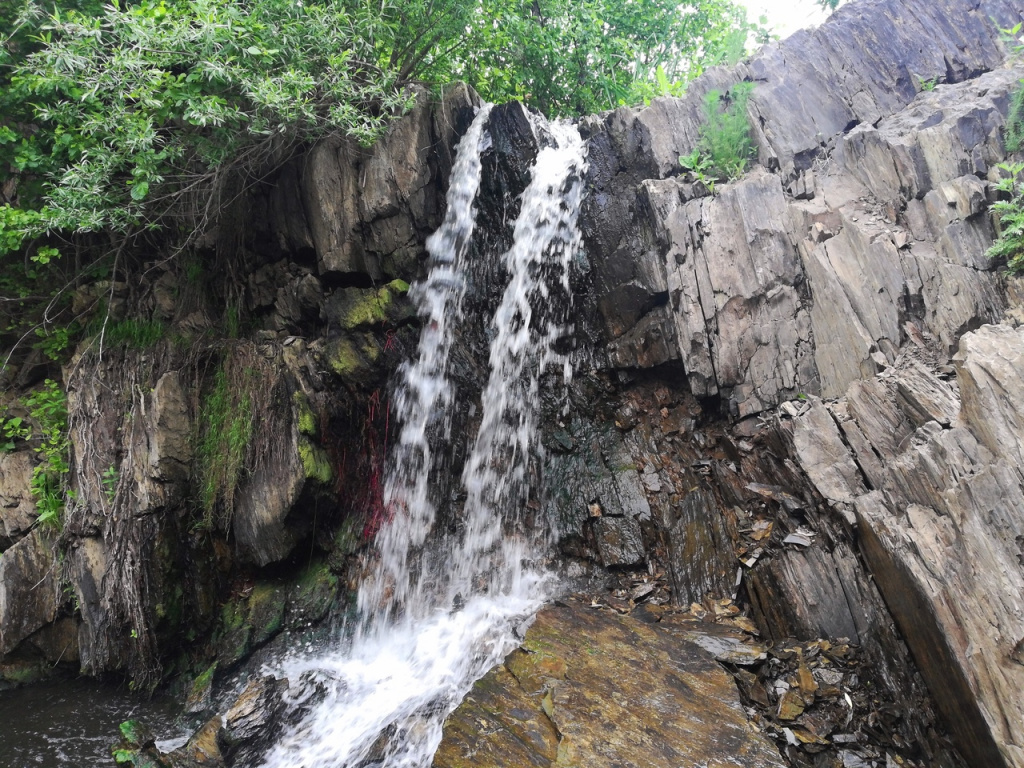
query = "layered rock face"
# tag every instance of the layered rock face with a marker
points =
(766, 409)
(931, 469)
(848, 265)
(294, 309)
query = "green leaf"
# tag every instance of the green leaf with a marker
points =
(139, 190)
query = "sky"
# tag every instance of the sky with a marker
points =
(786, 16)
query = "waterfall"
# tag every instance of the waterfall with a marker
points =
(440, 609)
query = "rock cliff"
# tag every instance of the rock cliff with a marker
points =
(799, 397)
(772, 412)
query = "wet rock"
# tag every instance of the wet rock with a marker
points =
(199, 697)
(700, 555)
(58, 642)
(590, 687)
(595, 480)
(618, 541)
(727, 644)
(251, 723)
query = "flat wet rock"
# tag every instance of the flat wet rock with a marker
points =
(591, 687)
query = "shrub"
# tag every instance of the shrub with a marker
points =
(725, 147)
(1009, 245)
(47, 427)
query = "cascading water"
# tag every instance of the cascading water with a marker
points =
(441, 609)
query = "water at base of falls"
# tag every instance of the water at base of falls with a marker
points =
(441, 609)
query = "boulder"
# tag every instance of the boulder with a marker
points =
(17, 507)
(28, 590)
(590, 687)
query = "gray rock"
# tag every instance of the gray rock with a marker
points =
(28, 590)
(619, 542)
(948, 498)
(802, 281)
(17, 507)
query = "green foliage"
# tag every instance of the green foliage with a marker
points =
(700, 166)
(14, 428)
(725, 147)
(582, 56)
(1009, 244)
(55, 339)
(226, 428)
(1013, 133)
(133, 333)
(1010, 214)
(110, 479)
(120, 118)
(829, 5)
(48, 410)
(143, 108)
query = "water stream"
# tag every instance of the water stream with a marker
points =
(440, 608)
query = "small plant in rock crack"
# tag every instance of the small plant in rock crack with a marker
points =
(48, 408)
(699, 167)
(1009, 245)
(110, 478)
(725, 148)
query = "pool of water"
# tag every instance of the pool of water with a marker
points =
(74, 723)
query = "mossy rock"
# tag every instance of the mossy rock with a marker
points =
(199, 697)
(352, 308)
(347, 541)
(305, 418)
(355, 357)
(18, 672)
(266, 612)
(315, 462)
(249, 622)
(311, 597)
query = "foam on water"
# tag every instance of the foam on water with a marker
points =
(430, 626)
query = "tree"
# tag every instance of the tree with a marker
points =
(581, 56)
(120, 119)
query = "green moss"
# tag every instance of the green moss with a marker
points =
(22, 672)
(266, 612)
(315, 462)
(231, 616)
(371, 349)
(343, 358)
(204, 682)
(136, 734)
(360, 307)
(249, 622)
(346, 540)
(312, 595)
(366, 307)
(305, 417)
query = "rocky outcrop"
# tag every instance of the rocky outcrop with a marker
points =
(589, 687)
(856, 248)
(868, 212)
(936, 489)
(28, 590)
(17, 507)
(274, 333)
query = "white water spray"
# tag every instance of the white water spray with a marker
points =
(431, 626)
